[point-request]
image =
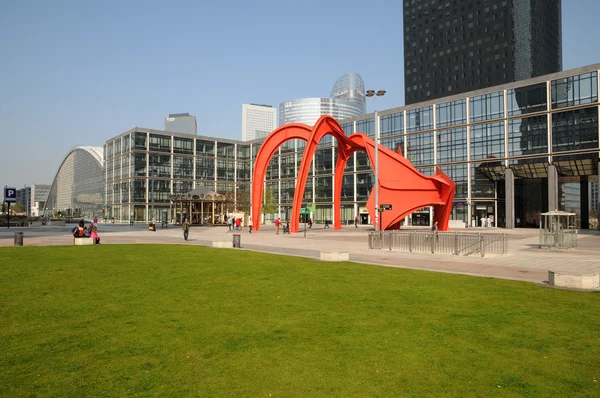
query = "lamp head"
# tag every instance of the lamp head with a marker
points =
(381, 93)
(370, 93)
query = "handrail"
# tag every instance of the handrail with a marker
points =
(455, 243)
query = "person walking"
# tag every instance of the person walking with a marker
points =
(326, 223)
(356, 222)
(238, 224)
(186, 228)
(249, 225)
(277, 224)
(230, 223)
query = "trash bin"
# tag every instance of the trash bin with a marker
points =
(18, 238)
(237, 240)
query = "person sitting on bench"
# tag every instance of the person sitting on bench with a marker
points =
(79, 232)
(286, 227)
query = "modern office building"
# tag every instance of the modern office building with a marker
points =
(257, 121)
(39, 196)
(347, 100)
(78, 187)
(24, 198)
(512, 151)
(452, 47)
(145, 167)
(181, 123)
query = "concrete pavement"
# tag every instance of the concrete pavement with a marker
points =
(524, 260)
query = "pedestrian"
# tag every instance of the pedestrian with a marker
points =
(310, 223)
(277, 224)
(186, 228)
(326, 223)
(249, 225)
(434, 227)
(238, 224)
(356, 222)
(230, 223)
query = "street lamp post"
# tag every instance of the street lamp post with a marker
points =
(152, 190)
(379, 93)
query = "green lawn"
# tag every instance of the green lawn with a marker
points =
(176, 320)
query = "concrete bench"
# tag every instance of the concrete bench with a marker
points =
(574, 279)
(222, 244)
(335, 256)
(84, 241)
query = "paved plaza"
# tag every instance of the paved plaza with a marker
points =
(524, 260)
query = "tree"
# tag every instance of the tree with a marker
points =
(243, 201)
(269, 203)
(17, 208)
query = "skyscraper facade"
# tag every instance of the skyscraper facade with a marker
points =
(347, 100)
(451, 47)
(257, 121)
(181, 123)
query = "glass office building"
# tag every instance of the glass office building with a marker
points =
(78, 187)
(347, 100)
(514, 151)
(181, 123)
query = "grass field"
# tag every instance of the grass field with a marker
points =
(175, 320)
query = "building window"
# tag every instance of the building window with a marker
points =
(528, 135)
(160, 143)
(574, 130)
(528, 99)
(487, 106)
(452, 145)
(575, 90)
(420, 119)
(451, 113)
(487, 141)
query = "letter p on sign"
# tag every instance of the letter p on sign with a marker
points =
(10, 194)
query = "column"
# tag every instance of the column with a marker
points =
(584, 200)
(552, 188)
(509, 181)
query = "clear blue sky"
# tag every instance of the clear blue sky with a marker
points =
(79, 72)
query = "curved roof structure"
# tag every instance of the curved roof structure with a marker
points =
(78, 186)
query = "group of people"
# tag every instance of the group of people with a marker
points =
(279, 224)
(80, 231)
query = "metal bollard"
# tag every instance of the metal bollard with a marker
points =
(18, 238)
(237, 240)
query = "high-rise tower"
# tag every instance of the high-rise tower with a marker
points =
(257, 121)
(455, 46)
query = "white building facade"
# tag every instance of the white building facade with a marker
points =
(258, 121)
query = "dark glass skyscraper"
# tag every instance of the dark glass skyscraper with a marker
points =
(455, 46)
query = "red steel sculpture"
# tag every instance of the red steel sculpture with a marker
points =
(400, 184)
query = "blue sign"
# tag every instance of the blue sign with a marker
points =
(10, 194)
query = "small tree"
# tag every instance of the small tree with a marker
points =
(17, 208)
(269, 204)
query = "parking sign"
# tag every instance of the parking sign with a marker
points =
(10, 194)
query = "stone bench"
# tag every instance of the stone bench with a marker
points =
(574, 279)
(335, 256)
(84, 241)
(222, 243)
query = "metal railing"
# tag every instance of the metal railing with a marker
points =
(455, 243)
(561, 239)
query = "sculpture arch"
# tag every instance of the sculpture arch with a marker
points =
(400, 184)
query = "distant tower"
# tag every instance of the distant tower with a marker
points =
(258, 121)
(181, 123)
(347, 100)
(451, 47)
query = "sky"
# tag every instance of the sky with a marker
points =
(80, 72)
